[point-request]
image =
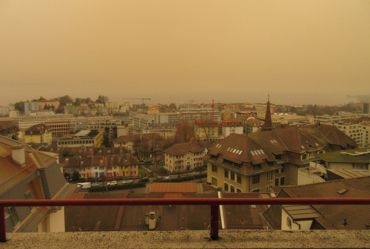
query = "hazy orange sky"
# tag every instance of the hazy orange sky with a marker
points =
(301, 51)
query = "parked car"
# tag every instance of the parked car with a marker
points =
(84, 185)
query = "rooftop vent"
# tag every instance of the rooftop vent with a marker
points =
(19, 155)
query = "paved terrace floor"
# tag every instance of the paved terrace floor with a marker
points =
(190, 239)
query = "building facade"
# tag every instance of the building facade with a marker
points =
(183, 157)
(84, 138)
(37, 134)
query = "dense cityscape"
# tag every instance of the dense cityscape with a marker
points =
(85, 149)
(184, 124)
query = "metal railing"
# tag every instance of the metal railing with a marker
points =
(214, 204)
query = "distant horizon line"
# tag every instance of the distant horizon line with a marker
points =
(192, 101)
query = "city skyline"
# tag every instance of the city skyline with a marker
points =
(175, 51)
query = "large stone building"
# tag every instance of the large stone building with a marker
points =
(84, 138)
(26, 173)
(271, 157)
(184, 157)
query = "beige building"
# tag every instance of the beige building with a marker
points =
(103, 166)
(205, 130)
(84, 138)
(237, 164)
(37, 134)
(184, 157)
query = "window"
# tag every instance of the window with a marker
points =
(226, 173)
(257, 167)
(277, 182)
(214, 181)
(255, 179)
(289, 222)
(232, 175)
(282, 181)
(232, 189)
(238, 190)
(226, 187)
(214, 168)
(238, 178)
(360, 166)
(269, 176)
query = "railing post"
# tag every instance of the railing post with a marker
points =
(2, 225)
(214, 221)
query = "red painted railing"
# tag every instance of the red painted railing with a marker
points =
(212, 202)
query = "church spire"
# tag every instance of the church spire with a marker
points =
(267, 126)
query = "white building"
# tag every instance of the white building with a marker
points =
(358, 131)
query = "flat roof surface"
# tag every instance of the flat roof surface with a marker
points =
(347, 173)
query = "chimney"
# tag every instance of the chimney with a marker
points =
(19, 155)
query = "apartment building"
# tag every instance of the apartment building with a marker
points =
(358, 130)
(207, 130)
(37, 134)
(27, 173)
(84, 138)
(108, 124)
(184, 157)
(238, 164)
(105, 166)
(231, 127)
(192, 113)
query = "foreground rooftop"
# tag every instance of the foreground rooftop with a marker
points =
(191, 239)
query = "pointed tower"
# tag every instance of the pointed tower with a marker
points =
(267, 126)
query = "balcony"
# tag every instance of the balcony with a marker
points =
(187, 239)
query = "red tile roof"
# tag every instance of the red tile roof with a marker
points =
(183, 187)
(183, 148)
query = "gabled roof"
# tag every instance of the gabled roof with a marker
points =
(265, 145)
(239, 149)
(335, 216)
(183, 148)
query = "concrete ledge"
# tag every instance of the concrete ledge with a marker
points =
(190, 239)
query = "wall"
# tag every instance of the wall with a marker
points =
(302, 225)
